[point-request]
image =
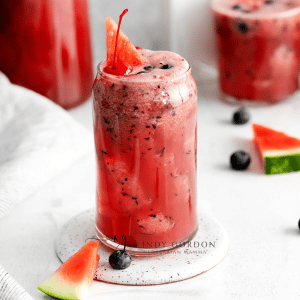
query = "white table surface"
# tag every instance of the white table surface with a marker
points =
(259, 212)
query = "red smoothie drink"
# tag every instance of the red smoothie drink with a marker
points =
(145, 126)
(45, 46)
(259, 49)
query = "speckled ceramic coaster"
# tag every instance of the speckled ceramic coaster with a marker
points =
(203, 252)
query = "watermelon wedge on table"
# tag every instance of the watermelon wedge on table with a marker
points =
(280, 153)
(72, 280)
(126, 52)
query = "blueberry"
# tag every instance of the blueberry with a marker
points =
(147, 68)
(236, 7)
(240, 160)
(167, 66)
(241, 116)
(269, 2)
(120, 260)
(243, 27)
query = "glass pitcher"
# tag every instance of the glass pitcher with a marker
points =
(45, 45)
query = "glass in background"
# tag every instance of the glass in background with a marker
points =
(259, 50)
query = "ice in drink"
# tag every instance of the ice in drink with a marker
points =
(259, 48)
(145, 135)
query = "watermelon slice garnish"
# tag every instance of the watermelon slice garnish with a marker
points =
(280, 152)
(126, 55)
(72, 280)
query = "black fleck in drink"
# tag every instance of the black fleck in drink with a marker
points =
(145, 135)
(259, 48)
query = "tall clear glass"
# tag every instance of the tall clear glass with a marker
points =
(145, 138)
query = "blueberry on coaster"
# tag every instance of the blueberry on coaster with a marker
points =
(240, 160)
(241, 116)
(120, 260)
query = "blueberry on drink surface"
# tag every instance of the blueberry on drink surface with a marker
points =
(236, 7)
(240, 160)
(120, 260)
(166, 66)
(241, 116)
(269, 2)
(147, 68)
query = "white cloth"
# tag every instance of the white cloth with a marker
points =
(38, 140)
(10, 289)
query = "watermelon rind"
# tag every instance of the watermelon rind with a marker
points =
(282, 164)
(58, 288)
(281, 152)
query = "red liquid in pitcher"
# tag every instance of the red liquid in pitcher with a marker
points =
(45, 46)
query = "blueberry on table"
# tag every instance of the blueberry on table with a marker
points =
(240, 160)
(241, 116)
(120, 260)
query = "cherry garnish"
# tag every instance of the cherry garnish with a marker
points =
(119, 24)
(122, 69)
(118, 68)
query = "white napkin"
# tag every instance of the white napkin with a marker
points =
(38, 140)
(10, 289)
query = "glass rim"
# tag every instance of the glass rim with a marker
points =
(126, 78)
